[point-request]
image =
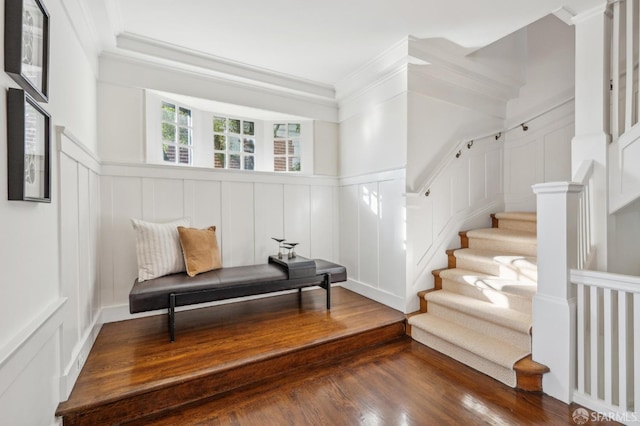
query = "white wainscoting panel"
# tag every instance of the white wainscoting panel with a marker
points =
(323, 222)
(541, 154)
(461, 196)
(79, 189)
(372, 236)
(269, 218)
(392, 236)
(237, 237)
(368, 219)
(349, 231)
(297, 217)
(247, 209)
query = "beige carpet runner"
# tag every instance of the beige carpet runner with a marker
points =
(482, 315)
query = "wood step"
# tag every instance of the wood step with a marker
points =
(529, 374)
(133, 371)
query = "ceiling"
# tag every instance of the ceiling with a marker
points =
(319, 41)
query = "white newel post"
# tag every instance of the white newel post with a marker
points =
(592, 115)
(554, 305)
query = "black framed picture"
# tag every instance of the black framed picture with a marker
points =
(26, 46)
(28, 148)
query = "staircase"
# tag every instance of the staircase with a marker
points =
(479, 312)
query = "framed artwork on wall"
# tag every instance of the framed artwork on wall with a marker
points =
(28, 148)
(26, 46)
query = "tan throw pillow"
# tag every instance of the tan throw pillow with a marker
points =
(200, 249)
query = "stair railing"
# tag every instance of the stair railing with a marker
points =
(586, 250)
(607, 343)
(625, 52)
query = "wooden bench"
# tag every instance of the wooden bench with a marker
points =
(175, 290)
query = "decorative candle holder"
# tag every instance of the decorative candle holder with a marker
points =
(280, 246)
(292, 249)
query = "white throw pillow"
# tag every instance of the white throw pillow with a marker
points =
(158, 248)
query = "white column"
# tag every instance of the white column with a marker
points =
(554, 305)
(592, 137)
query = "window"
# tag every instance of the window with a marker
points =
(286, 147)
(177, 134)
(234, 143)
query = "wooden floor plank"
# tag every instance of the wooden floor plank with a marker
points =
(133, 360)
(133, 370)
(399, 383)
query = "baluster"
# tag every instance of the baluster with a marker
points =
(615, 73)
(635, 308)
(594, 340)
(609, 380)
(581, 335)
(623, 346)
(628, 109)
(636, 57)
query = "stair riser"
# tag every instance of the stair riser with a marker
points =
(480, 325)
(517, 225)
(503, 246)
(502, 374)
(519, 303)
(493, 267)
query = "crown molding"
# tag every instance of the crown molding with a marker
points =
(379, 68)
(158, 49)
(132, 70)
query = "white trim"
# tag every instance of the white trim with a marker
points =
(78, 358)
(374, 71)
(159, 49)
(167, 76)
(211, 174)
(379, 176)
(76, 150)
(16, 354)
(598, 10)
(557, 188)
(619, 282)
(392, 300)
(565, 15)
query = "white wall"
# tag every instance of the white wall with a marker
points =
(248, 208)
(434, 128)
(372, 235)
(549, 58)
(541, 154)
(33, 353)
(375, 138)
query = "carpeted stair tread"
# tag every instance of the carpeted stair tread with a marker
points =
(492, 262)
(505, 240)
(505, 317)
(522, 288)
(514, 235)
(495, 350)
(522, 216)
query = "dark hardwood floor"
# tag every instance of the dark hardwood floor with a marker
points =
(398, 383)
(284, 361)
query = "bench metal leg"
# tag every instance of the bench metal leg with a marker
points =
(327, 286)
(172, 317)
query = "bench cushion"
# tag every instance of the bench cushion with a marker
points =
(154, 294)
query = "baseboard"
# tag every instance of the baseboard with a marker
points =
(391, 300)
(78, 358)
